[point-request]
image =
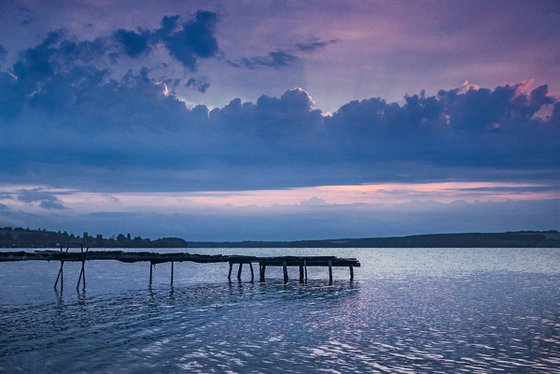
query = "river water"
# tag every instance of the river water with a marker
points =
(408, 310)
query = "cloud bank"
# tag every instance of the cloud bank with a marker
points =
(68, 118)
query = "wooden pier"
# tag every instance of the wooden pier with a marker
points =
(302, 262)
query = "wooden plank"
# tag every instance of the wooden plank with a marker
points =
(156, 258)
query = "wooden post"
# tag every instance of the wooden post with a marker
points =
(239, 271)
(305, 269)
(82, 270)
(229, 273)
(60, 273)
(151, 266)
(172, 266)
(252, 273)
(285, 268)
(330, 272)
(351, 273)
(262, 270)
(300, 273)
(60, 276)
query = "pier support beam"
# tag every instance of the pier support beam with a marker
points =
(351, 273)
(239, 272)
(229, 273)
(60, 273)
(82, 276)
(285, 269)
(151, 266)
(60, 276)
(305, 269)
(262, 270)
(330, 272)
(252, 273)
(301, 275)
(172, 269)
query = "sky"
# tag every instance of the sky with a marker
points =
(279, 120)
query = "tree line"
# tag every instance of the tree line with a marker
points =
(41, 238)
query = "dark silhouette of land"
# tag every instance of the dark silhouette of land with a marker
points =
(28, 238)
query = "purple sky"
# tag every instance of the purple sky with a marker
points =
(280, 120)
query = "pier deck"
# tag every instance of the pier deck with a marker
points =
(302, 262)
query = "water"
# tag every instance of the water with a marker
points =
(408, 310)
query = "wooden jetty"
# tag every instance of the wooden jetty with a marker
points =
(302, 262)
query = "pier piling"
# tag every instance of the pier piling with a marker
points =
(239, 271)
(157, 258)
(262, 269)
(285, 269)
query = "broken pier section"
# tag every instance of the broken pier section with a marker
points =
(302, 262)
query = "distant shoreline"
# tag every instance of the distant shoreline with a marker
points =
(28, 238)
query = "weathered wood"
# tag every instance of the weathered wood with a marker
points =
(158, 258)
(262, 270)
(82, 276)
(285, 269)
(60, 276)
(239, 271)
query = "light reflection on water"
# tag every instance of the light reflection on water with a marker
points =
(409, 310)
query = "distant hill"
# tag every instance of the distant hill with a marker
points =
(466, 240)
(27, 238)
(19, 237)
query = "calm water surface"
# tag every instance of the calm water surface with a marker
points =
(408, 310)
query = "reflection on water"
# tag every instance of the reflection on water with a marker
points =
(420, 317)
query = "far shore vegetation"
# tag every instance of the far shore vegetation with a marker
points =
(17, 237)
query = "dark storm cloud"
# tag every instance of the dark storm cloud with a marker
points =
(276, 59)
(315, 45)
(133, 43)
(186, 41)
(281, 58)
(69, 121)
(200, 84)
(46, 200)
